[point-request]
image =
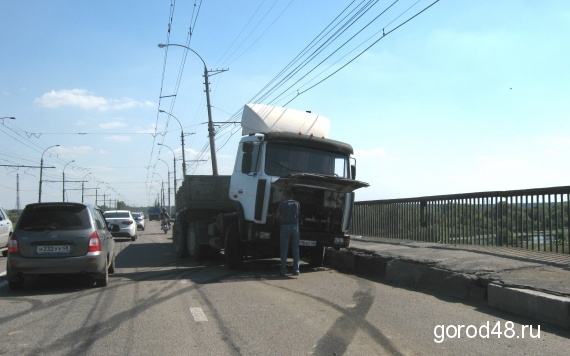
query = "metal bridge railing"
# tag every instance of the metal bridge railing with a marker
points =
(535, 219)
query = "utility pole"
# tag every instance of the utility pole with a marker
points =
(211, 132)
(18, 192)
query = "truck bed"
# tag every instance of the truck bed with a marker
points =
(204, 192)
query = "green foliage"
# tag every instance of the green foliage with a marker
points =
(13, 215)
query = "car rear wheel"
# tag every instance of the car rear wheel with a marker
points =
(16, 285)
(15, 282)
(103, 279)
(112, 267)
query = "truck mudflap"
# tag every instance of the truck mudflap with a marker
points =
(320, 181)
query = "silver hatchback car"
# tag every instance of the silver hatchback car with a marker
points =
(60, 238)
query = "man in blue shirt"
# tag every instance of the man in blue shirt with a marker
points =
(288, 213)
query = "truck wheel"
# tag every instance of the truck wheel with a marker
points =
(232, 246)
(179, 240)
(193, 243)
(317, 256)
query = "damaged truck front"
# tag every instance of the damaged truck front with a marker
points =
(281, 150)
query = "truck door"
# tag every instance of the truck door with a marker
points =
(246, 180)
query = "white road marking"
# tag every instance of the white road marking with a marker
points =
(198, 314)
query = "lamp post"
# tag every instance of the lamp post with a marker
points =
(174, 165)
(63, 180)
(83, 186)
(8, 117)
(210, 122)
(41, 172)
(181, 139)
(168, 185)
(105, 197)
(161, 188)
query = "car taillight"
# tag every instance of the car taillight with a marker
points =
(13, 245)
(127, 222)
(94, 242)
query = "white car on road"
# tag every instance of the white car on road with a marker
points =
(6, 230)
(125, 220)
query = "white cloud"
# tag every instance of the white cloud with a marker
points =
(83, 99)
(74, 150)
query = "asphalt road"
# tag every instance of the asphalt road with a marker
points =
(159, 304)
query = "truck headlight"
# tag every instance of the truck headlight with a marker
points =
(264, 235)
(339, 240)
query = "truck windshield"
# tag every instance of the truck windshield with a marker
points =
(282, 160)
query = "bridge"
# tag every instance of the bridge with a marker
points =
(506, 248)
(534, 219)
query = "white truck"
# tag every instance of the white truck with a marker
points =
(281, 149)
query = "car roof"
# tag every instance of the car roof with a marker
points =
(56, 203)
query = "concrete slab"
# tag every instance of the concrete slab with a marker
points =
(537, 305)
(522, 282)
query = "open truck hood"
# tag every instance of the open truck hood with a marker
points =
(320, 181)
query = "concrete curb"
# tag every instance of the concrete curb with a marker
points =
(538, 305)
(525, 302)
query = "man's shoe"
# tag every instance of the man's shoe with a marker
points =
(296, 273)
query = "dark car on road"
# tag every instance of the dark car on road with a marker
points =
(60, 238)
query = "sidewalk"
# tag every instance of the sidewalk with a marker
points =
(521, 282)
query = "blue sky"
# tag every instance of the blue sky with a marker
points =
(468, 96)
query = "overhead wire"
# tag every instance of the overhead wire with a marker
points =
(283, 87)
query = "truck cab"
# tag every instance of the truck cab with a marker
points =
(318, 171)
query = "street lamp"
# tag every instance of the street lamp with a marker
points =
(168, 180)
(105, 197)
(210, 122)
(181, 139)
(174, 165)
(161, 189)
(41, 172)
(8, 117)
(63, 180)
(83, 186)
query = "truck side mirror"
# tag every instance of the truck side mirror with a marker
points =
(353, 171)
(246, 162)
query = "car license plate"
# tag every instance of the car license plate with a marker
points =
(307, 243)
(54, 250)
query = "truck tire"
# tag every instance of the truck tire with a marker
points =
(195, 250)
(317, 256)
(232, 246)
(179, 240)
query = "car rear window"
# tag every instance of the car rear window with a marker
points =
(117, 214)
(69, 217)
